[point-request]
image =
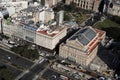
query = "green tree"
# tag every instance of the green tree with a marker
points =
(5, 74)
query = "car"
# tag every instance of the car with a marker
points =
(41, 60)
(9, 57)
(102, 78)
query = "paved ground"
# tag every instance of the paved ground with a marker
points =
(34, 71)
(15, 59)
(51, 75)
(108, 58)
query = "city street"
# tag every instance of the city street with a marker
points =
(51, 75)
(15, 59)
(34, 71)
(109, 58)
(14, 70)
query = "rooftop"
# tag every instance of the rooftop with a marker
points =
(88, 37)
(50, 31)
(72, 23)
(2, 9)
(84, 36)
(33, 9)
(30, 27)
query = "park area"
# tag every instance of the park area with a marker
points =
(111, 26)
(26, 51)
(74, 13)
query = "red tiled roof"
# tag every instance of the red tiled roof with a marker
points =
(45, 33)
(93, 47)
(100, 32)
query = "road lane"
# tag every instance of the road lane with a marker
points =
(15, 71)
(15, 59)
(35, 71)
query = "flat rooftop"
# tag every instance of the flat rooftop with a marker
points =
(33, 9)
(51, 31)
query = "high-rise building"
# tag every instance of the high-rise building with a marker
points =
(82, 47)
(60, 17)
(46, 15)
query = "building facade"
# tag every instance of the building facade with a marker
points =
(3, 13)
(46, 15)
(114, 8)
(50, 39)
(82, 47)
(49, 3)
(86, 4)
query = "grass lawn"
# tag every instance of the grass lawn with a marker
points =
(106, 24)
(78, 17)
(81, 18)
(112, 28)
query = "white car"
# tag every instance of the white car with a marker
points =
(41, 60)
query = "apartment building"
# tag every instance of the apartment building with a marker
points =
(82, 47)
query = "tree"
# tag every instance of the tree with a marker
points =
(5, 74)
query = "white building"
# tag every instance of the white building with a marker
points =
(60, 17)
(82, 47)
(8, 28)
(13, 7)
(46, 15)
(86, 4)
(114, 8)
(3, 13)
(29, 31)
(49, 39)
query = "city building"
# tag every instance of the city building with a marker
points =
(3, 13)
(29, 30)
(82, 47)
(114, 8)
(86, 4)
(12, 1)
(60, 17)
(49, 36)
(36, 24)
(13, 7)
(68, 2)
(46, 15)
(12, 28)
(49, 3)
(39, 13)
